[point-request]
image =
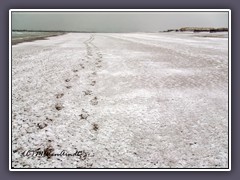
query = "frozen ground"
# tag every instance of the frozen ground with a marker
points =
(123, 100)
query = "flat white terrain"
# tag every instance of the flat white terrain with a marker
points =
(134, 100)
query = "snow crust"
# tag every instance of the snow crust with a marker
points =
(135, 100)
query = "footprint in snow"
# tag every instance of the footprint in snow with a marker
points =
(84, 114)
(59, 106)
(41, 125)
(59, 95)
(93, 83)
(87, 92)
(94, 101)
(68, 87)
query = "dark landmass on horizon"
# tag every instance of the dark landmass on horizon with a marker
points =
(29, 38)
(198, 29)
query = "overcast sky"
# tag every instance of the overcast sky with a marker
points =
(116, 21)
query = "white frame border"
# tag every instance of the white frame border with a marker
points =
(119, 10)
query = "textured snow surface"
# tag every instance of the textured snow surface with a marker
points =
(124, 100)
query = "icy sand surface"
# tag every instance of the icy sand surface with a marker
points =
(123, 100)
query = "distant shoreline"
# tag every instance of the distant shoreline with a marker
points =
(198, 29)
(30, 38)
(29, 35)
(183, 29)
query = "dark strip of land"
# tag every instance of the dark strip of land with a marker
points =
(29, 38)
(198, 29)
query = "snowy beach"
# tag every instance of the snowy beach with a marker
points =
(122, 100)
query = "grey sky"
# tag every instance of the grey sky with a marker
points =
(116, 21)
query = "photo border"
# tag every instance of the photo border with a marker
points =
(120, 10)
